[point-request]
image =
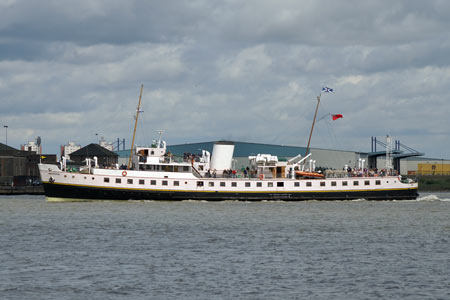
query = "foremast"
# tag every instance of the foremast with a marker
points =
(138, 110)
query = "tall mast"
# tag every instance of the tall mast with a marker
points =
(138, 110)
(314, 121)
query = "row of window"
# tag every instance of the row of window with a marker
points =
(142, 181)
(247, 184)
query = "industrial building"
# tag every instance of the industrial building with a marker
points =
(409, 163)
(19, 168)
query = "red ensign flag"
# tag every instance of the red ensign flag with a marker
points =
(335, 117)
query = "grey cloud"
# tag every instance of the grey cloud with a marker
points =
(248, 70)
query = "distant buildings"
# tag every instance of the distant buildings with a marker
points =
(106, 144)
(34, 146)
(66, 150)
(104, 156)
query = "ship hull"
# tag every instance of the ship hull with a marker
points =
(62, 192)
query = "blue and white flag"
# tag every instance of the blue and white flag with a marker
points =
(327, 90)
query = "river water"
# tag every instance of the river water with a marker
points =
(225, 250)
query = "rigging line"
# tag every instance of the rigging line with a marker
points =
(324, 116)
(333, 140)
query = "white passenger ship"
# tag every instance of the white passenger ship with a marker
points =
(157, 175)
(154, 174)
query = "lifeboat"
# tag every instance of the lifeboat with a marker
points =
(309, 174)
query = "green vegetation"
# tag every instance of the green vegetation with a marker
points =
(434, 183)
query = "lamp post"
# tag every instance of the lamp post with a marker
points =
(6, 130)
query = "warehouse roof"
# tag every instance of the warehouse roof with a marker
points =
(93, 150)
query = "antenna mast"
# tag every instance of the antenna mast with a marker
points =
(138, 110)
(314, 121)
(388, 155)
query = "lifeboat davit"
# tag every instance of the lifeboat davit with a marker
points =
(309, 174)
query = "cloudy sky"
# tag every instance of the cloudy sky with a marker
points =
(239, 70)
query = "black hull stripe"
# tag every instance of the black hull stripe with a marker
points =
(97, 193)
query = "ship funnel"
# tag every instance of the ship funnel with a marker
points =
(222, 156)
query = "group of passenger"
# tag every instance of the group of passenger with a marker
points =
(189, 157)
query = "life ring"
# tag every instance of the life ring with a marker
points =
(261, 176)
(124, 173)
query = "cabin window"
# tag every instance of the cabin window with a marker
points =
(344, 183)
(130, 181)
(176, 183)
(247, 184)
(280, 184)
(355, 183)
(234, 184)
(378, 182)
(106, 179)
(210, 183)
(164, 182)
(322, 183)
(333, 183)
(222, 184)
(185, 169)
(118, 180)
(270, 184)
(259, 184)
(199, 183)
(152, 153)
(297, 184)
(152, 182)
(309, 183)
(141, 181)
(367, 182)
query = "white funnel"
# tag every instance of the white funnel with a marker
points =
(222, 156)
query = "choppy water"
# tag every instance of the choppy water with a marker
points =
(225, 250)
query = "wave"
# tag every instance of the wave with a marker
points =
(433, 197)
